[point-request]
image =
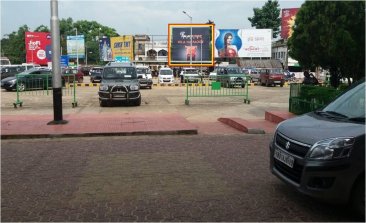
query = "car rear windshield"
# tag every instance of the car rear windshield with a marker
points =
(234, 71)
(276, 71)
(119, 73)
(142, 70)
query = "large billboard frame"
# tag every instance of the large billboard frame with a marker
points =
(196, 63)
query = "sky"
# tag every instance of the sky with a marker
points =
(131, 17)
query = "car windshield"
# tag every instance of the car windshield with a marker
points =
(191, 71)
(166, 72)
(351, 104)
(119, 73)
(141, 70)
(235, 70)
(276, 71)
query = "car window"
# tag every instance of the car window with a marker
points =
(166, 72)
(119, 73)
(350, 104)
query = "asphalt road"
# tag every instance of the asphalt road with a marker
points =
(150, 178)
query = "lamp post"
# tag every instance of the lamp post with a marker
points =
(190, 50)
(77, 47)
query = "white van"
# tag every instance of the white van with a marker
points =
(165, 75)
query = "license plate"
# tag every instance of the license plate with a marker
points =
(284, 158)
(277, 82)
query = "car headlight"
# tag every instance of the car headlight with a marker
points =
(134, 87)
(333, 148)
(13, 81)
(103, 87)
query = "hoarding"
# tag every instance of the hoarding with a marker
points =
(122, 46)
(287, 22)
(105, 50)
(183, 52)
(75, 46)
(230, 43)
(38, 47)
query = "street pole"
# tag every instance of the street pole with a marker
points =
(56, 66)
(190, 52)
(77, 48)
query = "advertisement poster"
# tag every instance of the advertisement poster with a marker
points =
(105, 50)
(287, 21)
(38, 47)
(231, 43)
(75, 46)
(183, 52)
(122, 46)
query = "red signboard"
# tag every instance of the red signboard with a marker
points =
(288, 20)
(38, 47)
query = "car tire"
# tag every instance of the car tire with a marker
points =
(102, 103)
(21, 86)
(137, 102)
(267, 83)
(358, 197)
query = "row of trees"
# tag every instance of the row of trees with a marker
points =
(13, 46)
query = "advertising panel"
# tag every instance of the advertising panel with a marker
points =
(75, 46)
(122, 46)
(105, 50)
(288, 20)
(38, 47)
(243, 43)
(183, 52)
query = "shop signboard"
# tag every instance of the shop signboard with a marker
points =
(122, 46)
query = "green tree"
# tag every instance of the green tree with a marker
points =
(331, 35)
(13, 46)
(268, 17)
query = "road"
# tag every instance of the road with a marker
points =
(150, 178)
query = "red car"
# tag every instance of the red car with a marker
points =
(70, 74)
(272, 76)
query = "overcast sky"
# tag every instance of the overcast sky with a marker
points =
(130, 17)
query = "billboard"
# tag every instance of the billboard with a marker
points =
(38, 47)
(287, 21)
(122, 46)
(75, 46)
(183, 52)
(105, 50)
(231, 43)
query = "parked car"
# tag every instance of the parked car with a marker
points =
(322, 153)
(85, 70)
(231, 76)
(96, 74)
(165, 75)
(72, 74)
(254, 76)
(272, 76)
(190, 75)
(119, 84)
(35, 78)
(144, 76)
(11, 70)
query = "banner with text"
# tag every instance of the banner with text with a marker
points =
(183, 51)
(75, 46)
(288, 21)
(38, 47)
(122, 46)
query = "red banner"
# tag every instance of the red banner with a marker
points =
(288, 20)
(38, 47)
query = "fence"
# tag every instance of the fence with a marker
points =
(216, 89)
(41, 85)
(305, 98)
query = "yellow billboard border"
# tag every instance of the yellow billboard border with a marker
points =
(191, 25)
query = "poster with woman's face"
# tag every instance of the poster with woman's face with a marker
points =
(227, 43)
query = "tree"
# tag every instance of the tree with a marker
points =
(331, 35)
(268, 17)
(13, 47)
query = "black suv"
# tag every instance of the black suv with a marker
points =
(119, 83)
(322, 153)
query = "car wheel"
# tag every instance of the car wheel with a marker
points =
(281, 85)
(137, 102)
(102, 103)
(21, 86)
(267, 83)
(358, 197)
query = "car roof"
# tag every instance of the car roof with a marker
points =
(119, 64)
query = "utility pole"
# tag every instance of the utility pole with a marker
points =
(56, 66)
